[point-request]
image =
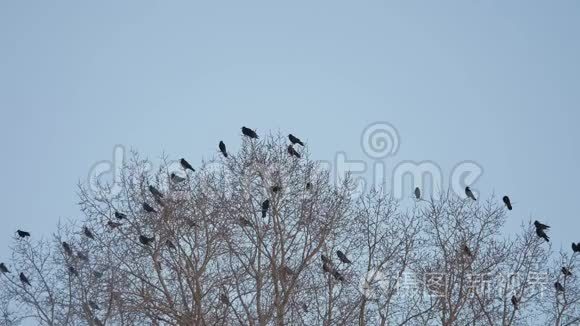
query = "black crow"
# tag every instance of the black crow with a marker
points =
(176, 179)
(265, 207)
(469, 193)
(249, 132)
(73, 271)
(507, 202)
(120, 216)
(326, 267)
(417, 193)
(515, 302)
(559, 287)
(575, 247)
(170, 244)
(337, 276)
(467, 251)
(542, 234)
(308, 185)
(23, 234)
(146, 240)
(155, 192)
(295, 140)
(148, 208)
(566, 271)
(541, 226)
(88, 233)
(276, 188)
(223, 149)
(113, 225)
(67, 249)
(94, 305)
(224, 299)
(185, 165)
(305, 307)
(293, 152)
(3, 269)
(24, 279)
(342, 257)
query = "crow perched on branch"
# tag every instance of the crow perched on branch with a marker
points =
(249, 133)
(23, 234)
(343, 257)
(542, 234)
(265, 207)
(120, 215)
(67, 249)
(185, 165)
(24, 279)
(566, 271)
(559, 287)
(175, 178)
(417, 193)
(88, 233)
(113, 225)
(507, 202)
(155, 192)
(575, 247)
(541, 226)
(148, 208)
(146, 240)
(469, 193)
(515, 302)
(295, 140)
(3, 269)
(223, 149)
(293, 152)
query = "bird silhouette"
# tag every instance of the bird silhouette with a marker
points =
(467, 251)
(575, 247)
(223, 149)
(325, 259)
(24, 279)
(146, 240)
(23, 234)
(417, 193)
(542, 234)
(337, 276)
(326, 267)
(120, 216)
(469, 193)
(148, 208)
(249, 133)
(185, 165)
(566, 271)
(295, 140)
(308, 185)
(515, 302)
(342, 257)
(224, 299)
(507, 202)
(559, 287)
(155, 192)
(276, 188)
(94, 305)
(3, 269)
(293, 152)
(73, 271)
(67, 249)
(113, 225)
(88, 233)
(541, 226)
(175, 178)
(265, 207)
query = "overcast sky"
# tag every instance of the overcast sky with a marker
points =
(493, 82)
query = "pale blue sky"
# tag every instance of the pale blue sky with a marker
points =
(496, 82)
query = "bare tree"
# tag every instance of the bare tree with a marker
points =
(254, 239)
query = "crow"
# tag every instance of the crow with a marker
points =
(559, 287)
(542, 234)
(566, 271)
(155, 192)
(507, 202)
(3, 269)
(305, 307)
(176, 179)
(73, 271)
(23, 234)
(342, 257)
(295, 140)
(224, 299)
(326, 268)
(469, 193)
(467, 251)
(249, 132)
(265, 207)
(120, 216)
(148, 208)
(185, 165)
(337, 276)
(325, 259)
(308, 186)
(417, 193)
(223, 149)
(146, 240)
(575, 247)
(67, 249)
(170, 244)
(24, 279)
(276, 188)
(88, 233)
(515, 302)
(540, 226)
(94, 305)
(113, 225)
(293, 152)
